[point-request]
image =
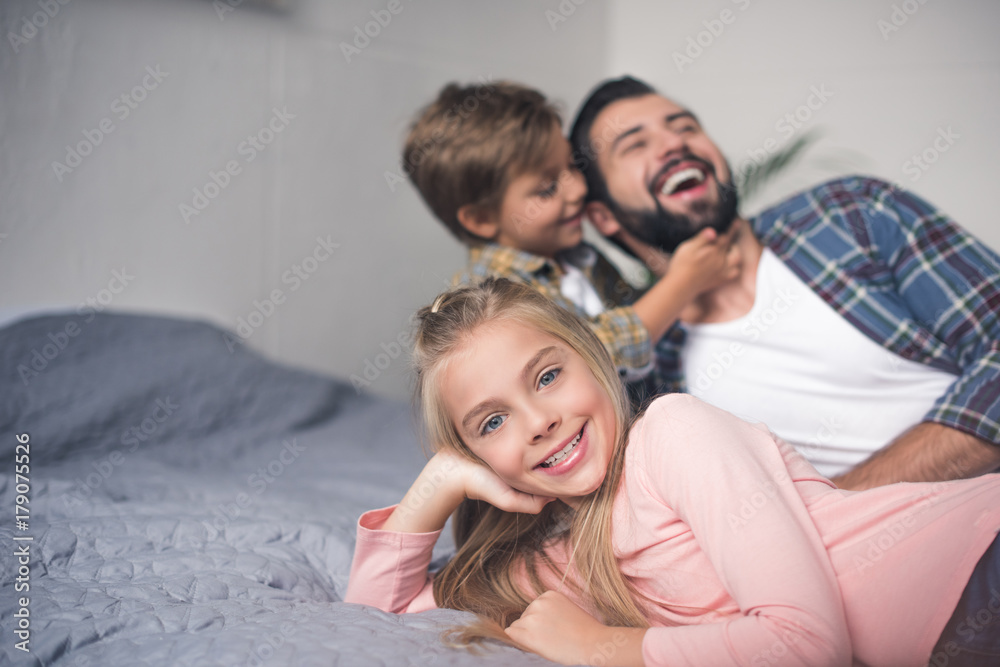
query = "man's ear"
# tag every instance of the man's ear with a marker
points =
(602, 218)
(478, 221)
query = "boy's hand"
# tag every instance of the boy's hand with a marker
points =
(707, 260)
(555, 628)
(701, 263)
(654, 259)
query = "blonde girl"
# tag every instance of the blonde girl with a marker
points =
(686, 537)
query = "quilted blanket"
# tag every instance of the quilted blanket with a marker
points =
(184, 501)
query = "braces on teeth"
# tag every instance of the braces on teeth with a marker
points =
(555, 458)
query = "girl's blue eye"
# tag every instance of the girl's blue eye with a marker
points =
(493, 423)
(548, 377)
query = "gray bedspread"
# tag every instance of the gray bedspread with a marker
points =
(192, 503)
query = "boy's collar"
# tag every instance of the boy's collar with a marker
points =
(583, 256)
(495, 255)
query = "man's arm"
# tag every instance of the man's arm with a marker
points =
(928, 452)
(949, 283)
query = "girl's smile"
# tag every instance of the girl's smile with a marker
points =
(566, 457)
(528, 405)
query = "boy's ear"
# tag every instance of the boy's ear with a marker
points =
(602, 218)
(478, 221)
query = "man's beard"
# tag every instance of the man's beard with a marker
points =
(665, 230)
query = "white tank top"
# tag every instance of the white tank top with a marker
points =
(795, 364)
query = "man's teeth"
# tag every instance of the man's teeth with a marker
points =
(555, 458)
(678, 177)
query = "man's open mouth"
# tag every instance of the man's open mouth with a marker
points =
(681, 176)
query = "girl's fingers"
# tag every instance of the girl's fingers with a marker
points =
(484, 484)
(527, 504)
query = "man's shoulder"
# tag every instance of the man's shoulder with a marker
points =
(836, 191)
(825, 202)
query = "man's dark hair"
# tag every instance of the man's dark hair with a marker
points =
(600, 97)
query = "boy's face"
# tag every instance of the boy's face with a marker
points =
(542, 212)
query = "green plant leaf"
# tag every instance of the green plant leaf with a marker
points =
(756, 177)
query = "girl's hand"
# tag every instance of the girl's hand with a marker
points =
(481, 483)
(707, 260)
(446, 480)
(557, 629)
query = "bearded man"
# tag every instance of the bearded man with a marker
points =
(863, 328)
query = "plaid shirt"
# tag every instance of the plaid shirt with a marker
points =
(618, 327)
(904, 274)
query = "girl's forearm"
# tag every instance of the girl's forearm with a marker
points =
(433, 497)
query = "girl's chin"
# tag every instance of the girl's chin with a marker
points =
(573, 497)
(576, 501)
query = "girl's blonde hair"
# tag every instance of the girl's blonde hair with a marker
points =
(497, 551)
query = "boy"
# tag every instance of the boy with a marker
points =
(493, 165)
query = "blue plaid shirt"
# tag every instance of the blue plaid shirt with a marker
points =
(904, 274)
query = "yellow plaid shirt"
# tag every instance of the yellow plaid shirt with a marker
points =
(618, 327)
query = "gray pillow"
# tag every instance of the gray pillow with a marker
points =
(98, 382)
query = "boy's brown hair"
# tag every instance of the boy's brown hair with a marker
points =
(467, 146)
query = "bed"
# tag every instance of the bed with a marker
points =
(192, 503)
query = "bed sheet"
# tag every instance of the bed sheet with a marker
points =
(192, 503)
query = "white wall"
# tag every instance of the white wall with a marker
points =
(892, 90)
(324, 175)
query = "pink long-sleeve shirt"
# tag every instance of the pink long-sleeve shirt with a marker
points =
(748, 555)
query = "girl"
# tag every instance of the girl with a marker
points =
(689, 538)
